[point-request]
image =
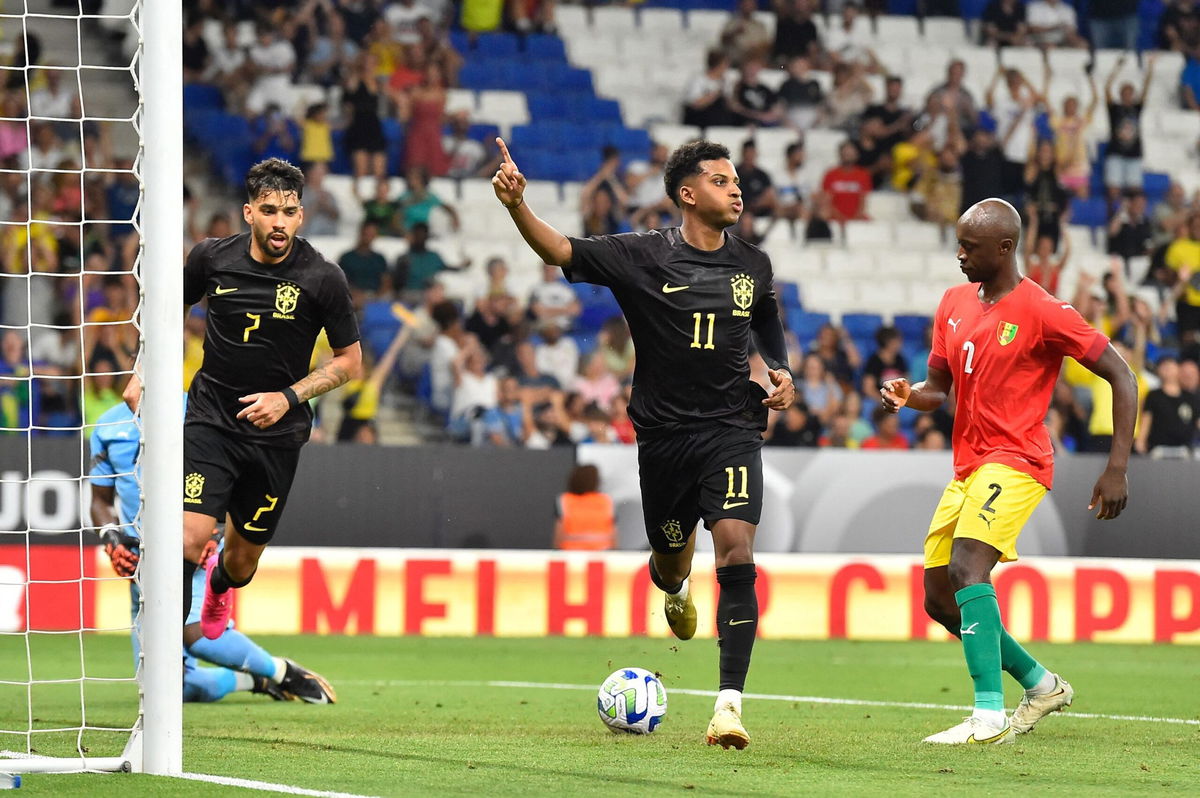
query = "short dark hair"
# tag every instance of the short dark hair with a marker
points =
(885, 335)
(445, 314)
(583, 479)
(685, 163)
(274, 174)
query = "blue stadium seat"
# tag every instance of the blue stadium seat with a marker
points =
(545, 105)
(1155, 184)
(545, 47)
(905, 8)
(634, 144)
(497, 45)
(579, 165)
(912, 327)
(573, 79)
(202, 95)
(527, 137)
(582, 136)
(393, 132)
(862, 325)
(972, 9)
(485, 133)
(603, 110)
(1092, 211)
(789, 295)
(460, 40)
(379, 326)
(806, 324)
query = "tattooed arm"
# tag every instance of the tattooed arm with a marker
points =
(264, 409)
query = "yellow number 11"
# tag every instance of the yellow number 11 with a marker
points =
(712, 320)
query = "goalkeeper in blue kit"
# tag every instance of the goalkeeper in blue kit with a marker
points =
(243, 665)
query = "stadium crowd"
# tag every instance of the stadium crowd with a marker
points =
(510, 365)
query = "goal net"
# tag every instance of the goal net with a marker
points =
(73, 328)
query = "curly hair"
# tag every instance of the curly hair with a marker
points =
(274, 174)
(685, 163)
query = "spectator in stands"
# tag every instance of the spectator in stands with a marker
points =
(801, 95)
(849, 39)
(475, 391)
(383, 210)
(1070, 140)
(847, 185)
(1047, 203)
(57, 347)
(366, 270)
(48, 151)
(402, 17)
(450, 340)
(420, 264)
(1041, 264)
(195, 49)
(603, 199)
(556, 354)
(887, 431)
(316, 138)
(848, 99)
(817, 227)
(1173, 24)
(1169, 424)
(798, 427)
(1123, 160)
(596, 384)
(331, 53)
(897, 120)
(874, 154)
(386, 53)
(1014, 109)
(1189, 78)
(273, 135)
(230, 68)
(105, 337)
(417, 352)
(497, 276)
(1189, 374)
(819, 389)
(931, 439)
(422, 110)
(839, 434)
(492, 320)
(752, 101)
(418, 203)
(481, 16)
(758, 192)
(537, 386)
(364, 137)
(321, 211)
(1114, 24)
(887, 362)
(360, 397)
(270, 64)
(1130, 230)
(649, 206)
(14, 391)
(795, 33)
(954, 94)
(553, 300)
(466, 157)
(912, 158)
(1183, 257)
(838, 353)
(744, 36)
(1169, 215)
(796, 185)
(504, 424)
(1052, 23)
(616, 346)
(547, 423)
(982, 168)
(55, 98)
(1004, 24)
(14, 137)
(533, 16)
(938, 194)
(704, 101)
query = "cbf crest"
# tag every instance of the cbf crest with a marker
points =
(193, 486)
(286, 297)
(673, 532)
(743, 293)
(1006, 333)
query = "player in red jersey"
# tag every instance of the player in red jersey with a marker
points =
(999, 340)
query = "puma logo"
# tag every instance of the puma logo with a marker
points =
(987, 521)
(954, 323)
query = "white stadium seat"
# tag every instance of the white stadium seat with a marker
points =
(876, 234)
(613, 21)
(707, 23)
(944, 32)
(663, 21)
(503, 108)
(571, 21)
(460, 100)
(672, 135)
(897, 29)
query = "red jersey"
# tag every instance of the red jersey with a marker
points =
(848, 187)
(1004, 360)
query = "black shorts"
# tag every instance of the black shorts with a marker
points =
(710, 474)
(222, 474)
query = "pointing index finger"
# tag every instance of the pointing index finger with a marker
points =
(504, 151)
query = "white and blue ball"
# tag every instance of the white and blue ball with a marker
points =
(632, 700)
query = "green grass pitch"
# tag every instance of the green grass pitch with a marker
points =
(403, 727)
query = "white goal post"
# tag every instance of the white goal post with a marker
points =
(153, 739)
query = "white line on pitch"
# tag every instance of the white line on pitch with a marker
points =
(266, 786)
(803, 699)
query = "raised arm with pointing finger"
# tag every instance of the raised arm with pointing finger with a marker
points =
(550, 245)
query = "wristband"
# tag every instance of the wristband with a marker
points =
(520, 201)
(291, 397)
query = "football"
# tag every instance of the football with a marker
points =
(632, 700)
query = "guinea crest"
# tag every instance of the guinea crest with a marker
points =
(286, 296)
(1006, 333)
(743, 293)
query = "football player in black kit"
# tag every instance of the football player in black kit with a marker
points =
(693, 296)
(269, 295)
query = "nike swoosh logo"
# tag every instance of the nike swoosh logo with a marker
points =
(728, 506)
(251, 528)
(991, 739)
(736, 623)
(670, 289)
(220, 290)
(970, 630)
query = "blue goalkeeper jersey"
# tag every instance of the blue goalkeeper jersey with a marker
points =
(115, 443)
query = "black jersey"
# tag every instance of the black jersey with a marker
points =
(690, 314)
(263, 321)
